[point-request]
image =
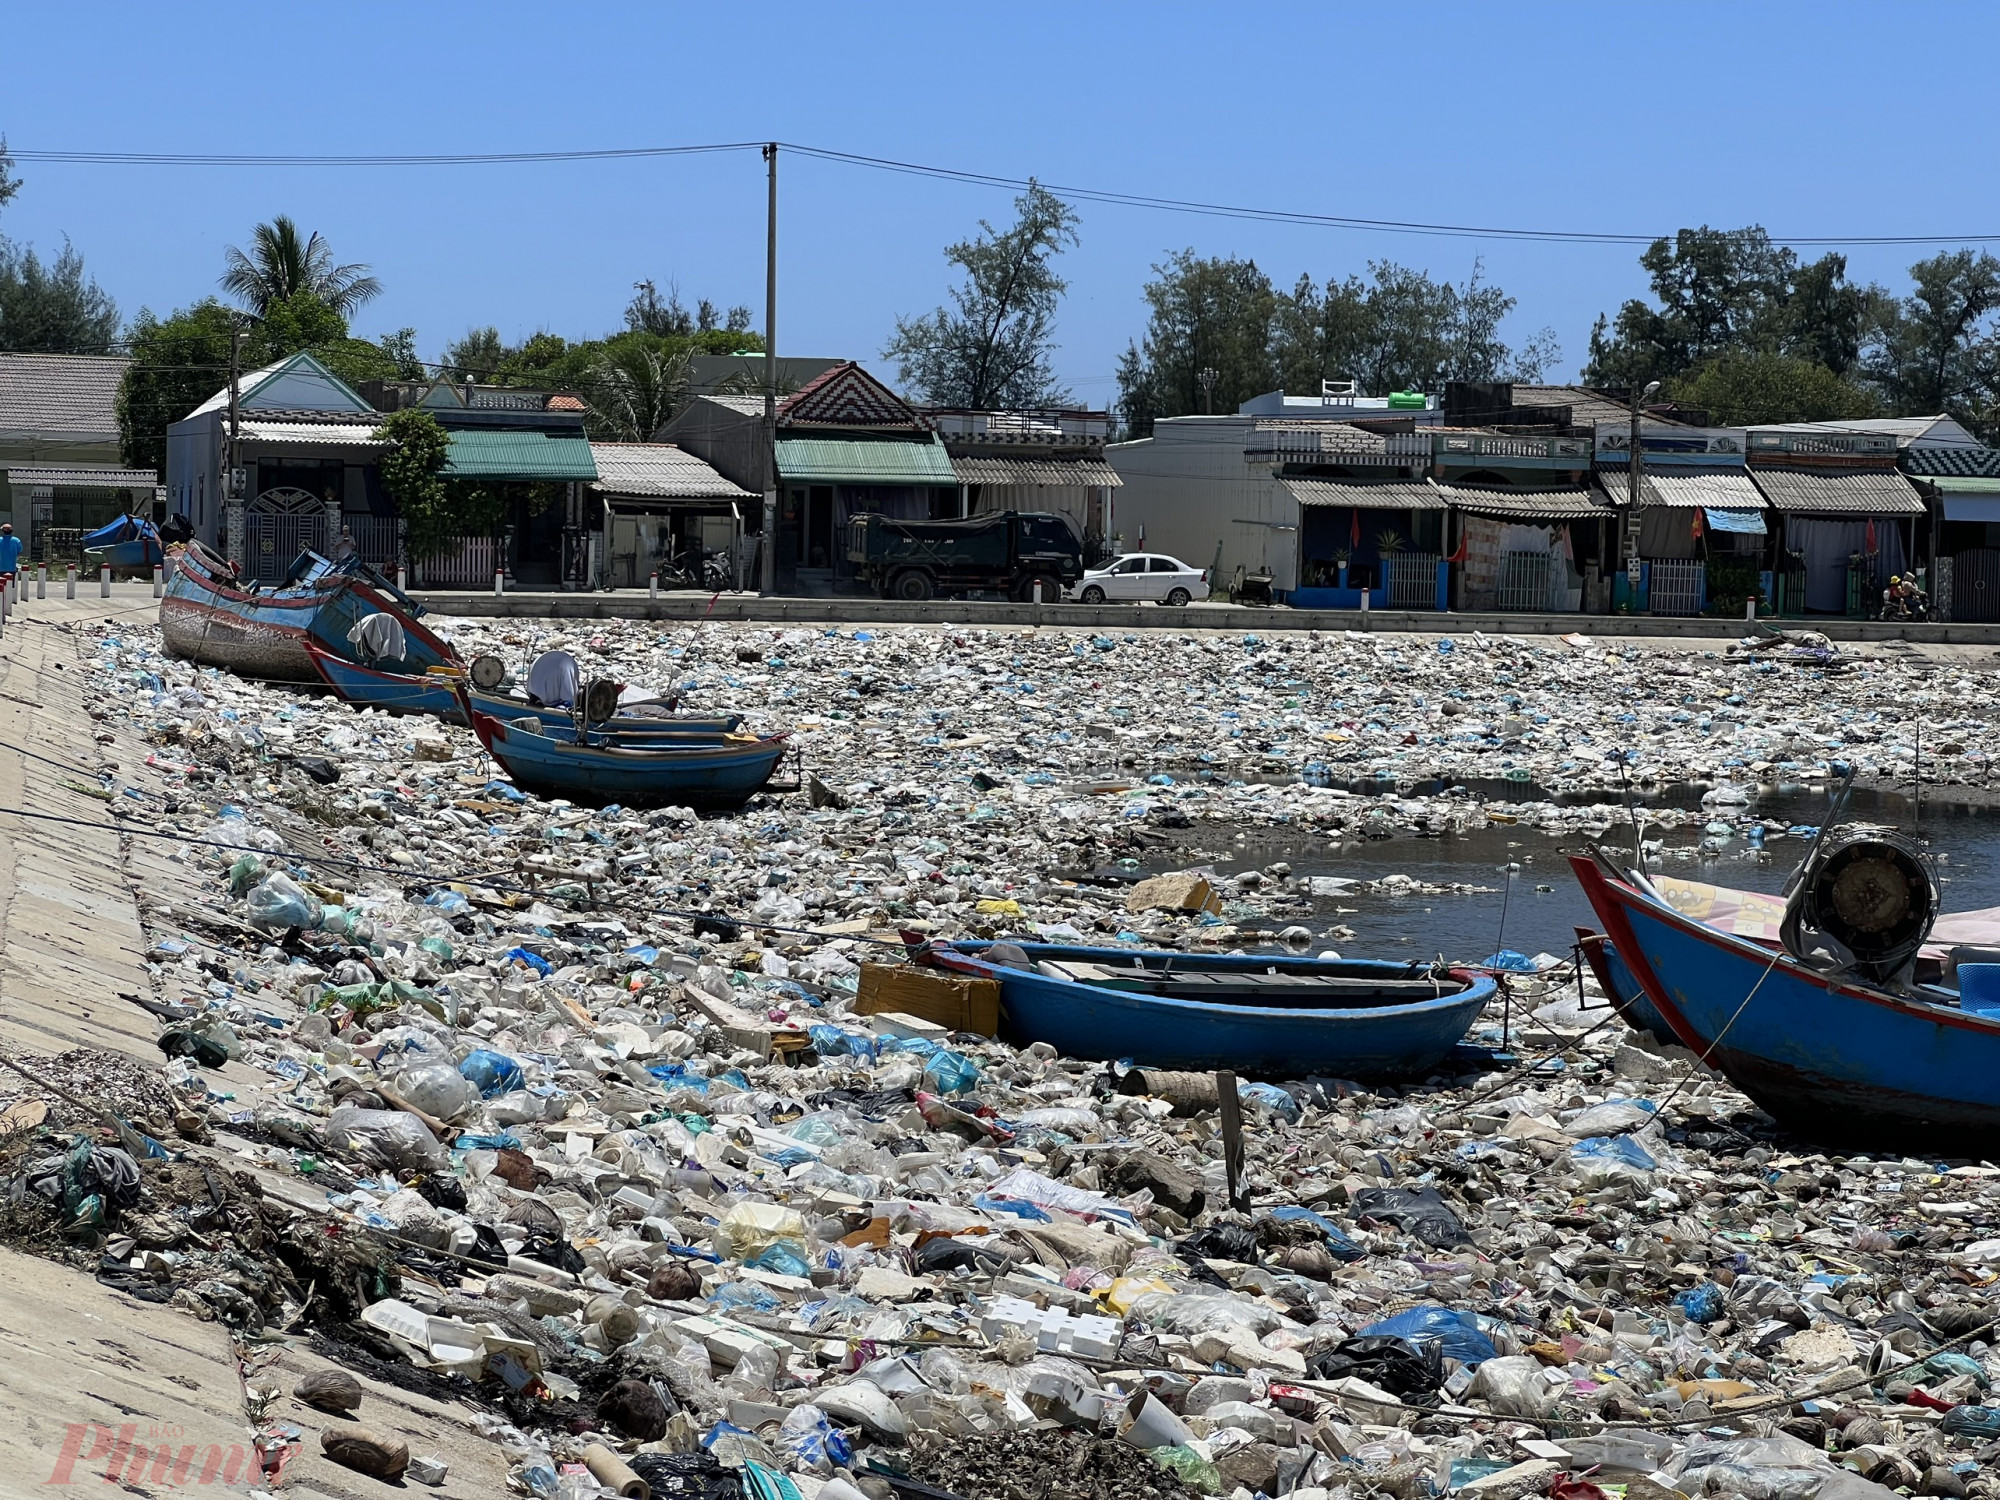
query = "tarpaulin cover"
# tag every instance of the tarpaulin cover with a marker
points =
(1742, 522)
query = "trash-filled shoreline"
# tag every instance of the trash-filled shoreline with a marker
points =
(594, 1124)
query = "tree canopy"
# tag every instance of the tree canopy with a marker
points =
(282, 263)
(49, 307)
(1740, 389)
(990, 350)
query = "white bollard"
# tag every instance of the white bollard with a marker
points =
(104, 582)
(159, 581)
(69, 588)
(1038, 591)
(499, 582)
(1750, 608)
(1367, 595)
(42, 581)
(403, 577)
(653, 589)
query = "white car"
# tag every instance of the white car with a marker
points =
(1140, 576)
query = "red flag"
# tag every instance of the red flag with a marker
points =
(1871, 536)
(1354, 528)
(1697, 523)
(1464, 548)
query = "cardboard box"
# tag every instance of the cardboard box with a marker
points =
(949, 1000)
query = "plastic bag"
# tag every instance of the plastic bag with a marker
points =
(1396, 1365)
(1604, 1159)
(278, 901)
(1513, 1386)
(492, 1073)
(1612, 1117)
(749, 1229)
(1457, 1334)
(1270, 1096)
(247, 870)
(387, 1138)
(1972, 1421)
(1196, 1473)
(1417, 1211)
(951, 1072)
(808, 1440)
(1702, 1304)
(436, 1088)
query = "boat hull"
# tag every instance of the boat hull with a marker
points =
(708, 778)
(1622, 988)
(1080, 1019)
(405, 693)
(207, 617)
(1830, 1059)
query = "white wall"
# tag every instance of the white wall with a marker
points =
(1189, 487)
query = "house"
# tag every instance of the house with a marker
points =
(1697, 534)
(1849, 520)
(662, 504)
(846, 444)
(1529, 532)
(60, 470)
(1962, 487)
(310, 470)
(1034, 461)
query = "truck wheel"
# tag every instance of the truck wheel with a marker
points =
(1177, 597)
(1093, 595)
(1051, 589)
(913, 585)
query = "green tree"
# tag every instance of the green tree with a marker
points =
(282, 263)
(52, 307)
(1208, 341)
(1937, 350)
(413, 476)
(480, 355)
(1746, 389)
(635, 385)
(9, 183)
(178, 362)
(401, 348)
(649, 312)
(990, 350)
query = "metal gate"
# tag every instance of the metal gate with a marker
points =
(1975, 584)
(1530, 580)
(278, 526)
(466, 562)
(1412, 579)
(1677, 586)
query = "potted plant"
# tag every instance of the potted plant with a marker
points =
(1340, 558)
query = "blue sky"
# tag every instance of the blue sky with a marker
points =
(1818, 119)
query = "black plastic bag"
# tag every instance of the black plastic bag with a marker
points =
(1395, 1365)
(687, 1476)
(1237, 1242)
(1417, 1211)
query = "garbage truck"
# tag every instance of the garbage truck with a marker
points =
(1009, 552)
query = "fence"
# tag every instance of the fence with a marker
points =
(275, 538)
(467, 562)
(1534, 581)
(374, 538)
(1677, 586)
(1412, 579)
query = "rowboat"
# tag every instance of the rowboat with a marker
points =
(720, 775)
(1254, 1013)
(130, 544)
(434, 693)
(1615, 978)
(1827, 1055)
(210, 616)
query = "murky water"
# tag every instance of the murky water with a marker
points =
(1543, 905)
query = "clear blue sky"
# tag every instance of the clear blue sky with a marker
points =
(1823, 118)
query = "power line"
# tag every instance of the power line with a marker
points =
(967, 176)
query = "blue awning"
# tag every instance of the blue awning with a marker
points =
(1971, 507)
(1742, 522)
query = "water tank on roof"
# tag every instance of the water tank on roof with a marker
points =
(1408, 401)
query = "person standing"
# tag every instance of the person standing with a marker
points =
(10, 554)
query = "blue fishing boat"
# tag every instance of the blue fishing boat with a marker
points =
(210, 615)
(1253, 1013)
(129, 545)
(1832, 1056)
(436, 693)
(719, 775)
(1615, 978)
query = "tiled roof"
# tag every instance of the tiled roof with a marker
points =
(848, 396)
(81, 475)
(60, 393)
(1966, 463)
(1851, 492)
(660, 470)
(1407, 494)
(1684, 489)
(1529, 504)
(1046, 471)
(1586, 407)
(562, 401)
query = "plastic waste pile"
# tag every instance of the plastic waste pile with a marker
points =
(594, 1088)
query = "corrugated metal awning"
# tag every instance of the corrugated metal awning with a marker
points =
(316, 434)
(1698, 489)
(516, 455)
(1404, 494)
(80, 476)
(1052, 472)
(659, 471)
(860, 461)
(1567, 503)
(1834, 492)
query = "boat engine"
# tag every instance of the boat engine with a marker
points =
(488, 672)
(1864, 901)
(599, 700)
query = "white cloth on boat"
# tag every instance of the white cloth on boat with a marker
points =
(379, 636)
(553, 679)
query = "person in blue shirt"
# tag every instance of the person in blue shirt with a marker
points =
(10, 554)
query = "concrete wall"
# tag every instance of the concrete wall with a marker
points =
(1189, 488)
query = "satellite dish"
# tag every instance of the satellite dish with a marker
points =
(600, 701)
(488, 672)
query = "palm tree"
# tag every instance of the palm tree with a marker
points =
(282, 263)
(635, 388)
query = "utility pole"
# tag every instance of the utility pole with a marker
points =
(770, 548)
(232, 488)
(1207, 375)
(1632, 494)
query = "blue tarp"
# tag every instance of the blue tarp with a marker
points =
(1742, 522)
(124, 529)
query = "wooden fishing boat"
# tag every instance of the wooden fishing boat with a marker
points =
(1829, 1056)
(210, 616)
(1254, 1013)
(718, 775)
(1615, 978)
(129, 545)
(436, 693)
